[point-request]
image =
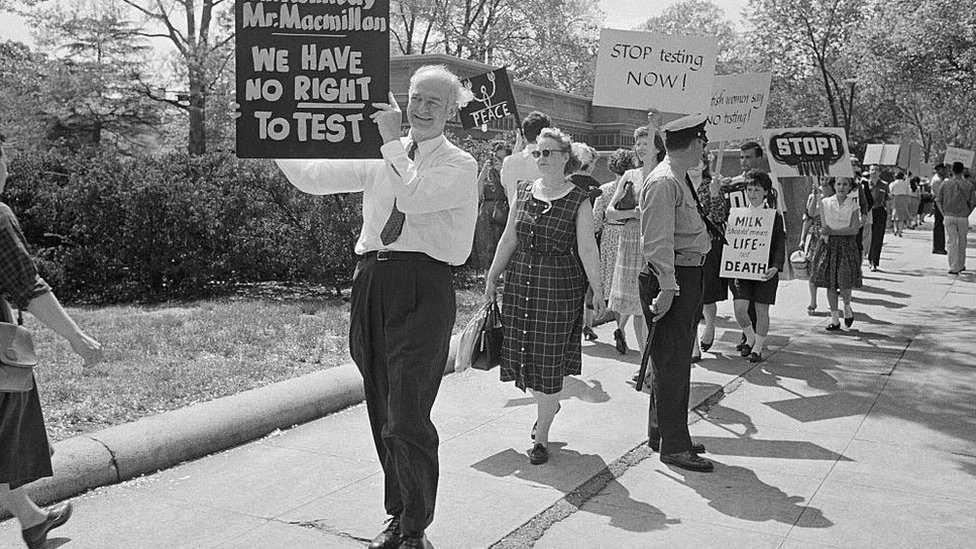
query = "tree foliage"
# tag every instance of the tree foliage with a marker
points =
(550, 43)
(704, 17)
(93, 87)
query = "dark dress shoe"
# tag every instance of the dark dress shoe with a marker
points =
(414, 541)
(755, 357)
(706, 346)
(848, 321)
(833, 327)
(589, 333)
(656, 446)
(619, 342)
(538, 455)
(745, 351)
(688, 460)
(36, 536)
(390, 537)
(742, 343)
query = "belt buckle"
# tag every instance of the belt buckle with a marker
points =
(383, 255)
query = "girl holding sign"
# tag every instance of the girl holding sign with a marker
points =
(759, 293)
(837, 261)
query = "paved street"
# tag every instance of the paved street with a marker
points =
(866, 438)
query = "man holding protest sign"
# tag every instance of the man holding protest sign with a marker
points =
(420, 203)
(675, 240)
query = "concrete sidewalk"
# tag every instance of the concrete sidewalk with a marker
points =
(859, 439)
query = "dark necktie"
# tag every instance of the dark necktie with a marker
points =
(394, 224)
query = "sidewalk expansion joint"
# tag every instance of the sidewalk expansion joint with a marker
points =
(114, 462)
(530, 532)
(322, 526)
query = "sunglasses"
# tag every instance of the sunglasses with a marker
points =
(545, 152)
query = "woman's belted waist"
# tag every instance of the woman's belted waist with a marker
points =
(543, 253)
(689, 259)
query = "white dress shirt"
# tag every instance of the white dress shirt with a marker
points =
(437, 191)
(836, 215)
(517, 167)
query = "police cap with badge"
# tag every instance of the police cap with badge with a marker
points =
(687, 127)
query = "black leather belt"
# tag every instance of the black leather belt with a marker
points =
(391, 255)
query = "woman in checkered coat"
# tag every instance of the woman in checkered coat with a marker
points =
(549, 253)
(25, 454)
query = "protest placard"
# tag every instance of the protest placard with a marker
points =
(493, 100)
(954, 154)
(307, 75)
(795, 152)
(643, 70)
(750, 235)
(738, 107)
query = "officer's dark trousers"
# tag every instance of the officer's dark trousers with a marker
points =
(671, 356)
(879, 225)
(400, 330)
(938, 232)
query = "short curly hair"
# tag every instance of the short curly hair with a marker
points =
(646, 131)
(621, 160)
(565, 145)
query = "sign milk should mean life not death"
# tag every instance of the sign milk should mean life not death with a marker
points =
(750, 234)
(307, 75)
(642, 70)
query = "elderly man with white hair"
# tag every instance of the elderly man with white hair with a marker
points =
(420, 204)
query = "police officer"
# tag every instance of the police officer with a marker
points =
(674, 241)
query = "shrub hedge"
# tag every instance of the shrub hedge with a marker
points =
(107, 228)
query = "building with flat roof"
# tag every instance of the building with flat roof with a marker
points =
(603, 128)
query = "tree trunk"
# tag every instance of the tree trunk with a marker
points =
(198, 102)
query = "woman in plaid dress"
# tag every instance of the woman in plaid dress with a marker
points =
(837, 262)
(549, 252)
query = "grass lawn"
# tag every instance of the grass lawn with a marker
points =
(164, 357)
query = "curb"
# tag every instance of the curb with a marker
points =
(122, 452)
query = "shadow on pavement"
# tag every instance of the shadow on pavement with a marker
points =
(587, 391)
(737, 492)
(749, 447)
(876, 290)
(565, 465)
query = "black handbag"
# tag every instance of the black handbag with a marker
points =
(499, 213)
(17, 357)
(487, 351)
(627, 200)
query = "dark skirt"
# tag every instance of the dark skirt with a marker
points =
(715, 288)
(25, 454)
(837, 264)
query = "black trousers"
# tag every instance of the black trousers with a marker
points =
(938, 232)
(879, 224)
(399, 334)
(671, 356)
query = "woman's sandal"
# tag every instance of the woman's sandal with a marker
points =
(706, 346)
(833, 327)
(811, 309)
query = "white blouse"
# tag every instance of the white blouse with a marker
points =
(836, 215)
